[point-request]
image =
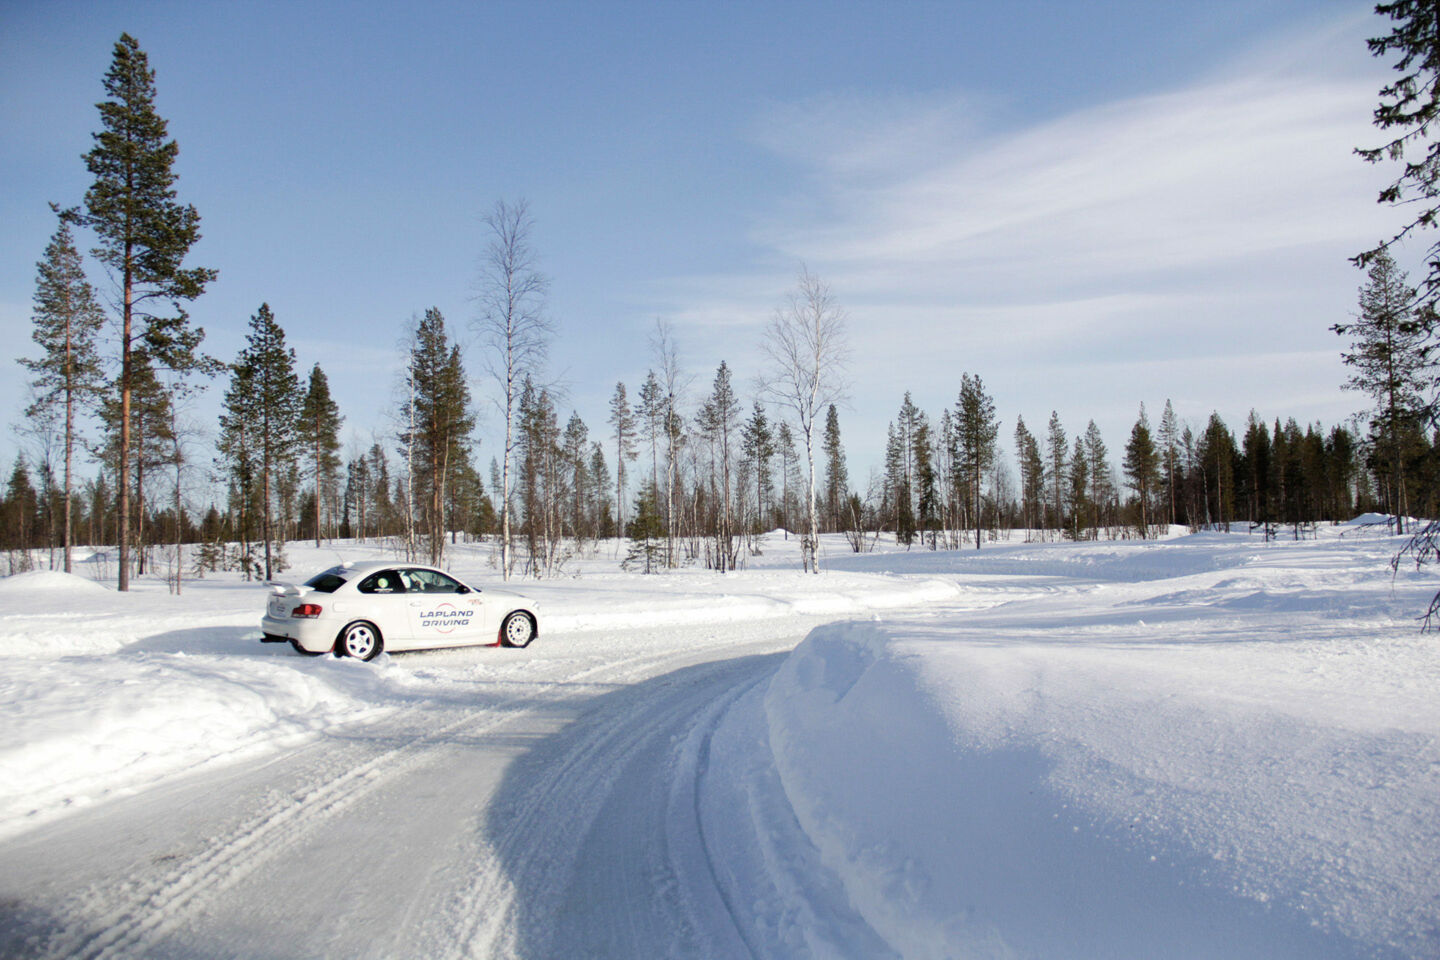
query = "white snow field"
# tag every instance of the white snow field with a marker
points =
(1206, 746)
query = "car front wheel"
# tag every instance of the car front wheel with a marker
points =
(360, 640)
(517, 630)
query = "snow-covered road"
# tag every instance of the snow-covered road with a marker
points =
(1211, 746)
(491, 817)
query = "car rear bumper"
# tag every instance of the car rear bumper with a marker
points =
(308, 634)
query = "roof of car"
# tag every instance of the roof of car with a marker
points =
(364, 567)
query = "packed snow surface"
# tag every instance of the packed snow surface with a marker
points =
(1206, 746)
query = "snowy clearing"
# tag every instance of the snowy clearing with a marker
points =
(1208, 746)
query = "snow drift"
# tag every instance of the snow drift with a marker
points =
(1213, 766)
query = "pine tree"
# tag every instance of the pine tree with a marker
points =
(1388, 362)
(1409, 107)
(320, 433)
(67, 320)
(539, 478)
(1102, 478)
(440, 422)
(21, 516)
(575, 456)
(1256, 472)
(1142, 468)
(260, 426)
(718, 421)
(976, 429)
(757, 444)
(144, 237)
(898, 453)
(1079, 492)
(1055, 465)
(1217, 464)
(151, 440)
(604, 520)
(1032, 477)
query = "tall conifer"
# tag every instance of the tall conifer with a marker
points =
(260, 425)
(440, 422)
(144, 237)
(67, 320)
(320, 432)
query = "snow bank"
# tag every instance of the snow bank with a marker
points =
(48, 581)
(80, 730)
(1222, 765)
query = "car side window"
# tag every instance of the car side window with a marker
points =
(431, 581)
(386, 581)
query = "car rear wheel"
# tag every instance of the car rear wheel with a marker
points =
(360, 640)
(517, 630)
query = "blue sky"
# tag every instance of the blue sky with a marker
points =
(1088, 205)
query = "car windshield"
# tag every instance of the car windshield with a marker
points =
(327, 582)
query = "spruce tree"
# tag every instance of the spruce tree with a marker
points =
(144, 236)
(927, 491)
(837, 475)
(67, 319)
(320, 433)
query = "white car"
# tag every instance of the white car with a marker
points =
(360, 609)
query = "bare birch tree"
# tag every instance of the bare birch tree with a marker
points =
(673, 383)
(806, 348)
(514, 331)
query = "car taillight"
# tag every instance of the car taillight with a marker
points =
(306, 610)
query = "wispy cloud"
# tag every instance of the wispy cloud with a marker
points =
(1176, 235)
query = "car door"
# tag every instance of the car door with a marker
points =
(383, 602)
(443, 613)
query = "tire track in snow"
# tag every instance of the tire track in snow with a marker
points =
(617, 793)
(144, 914)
